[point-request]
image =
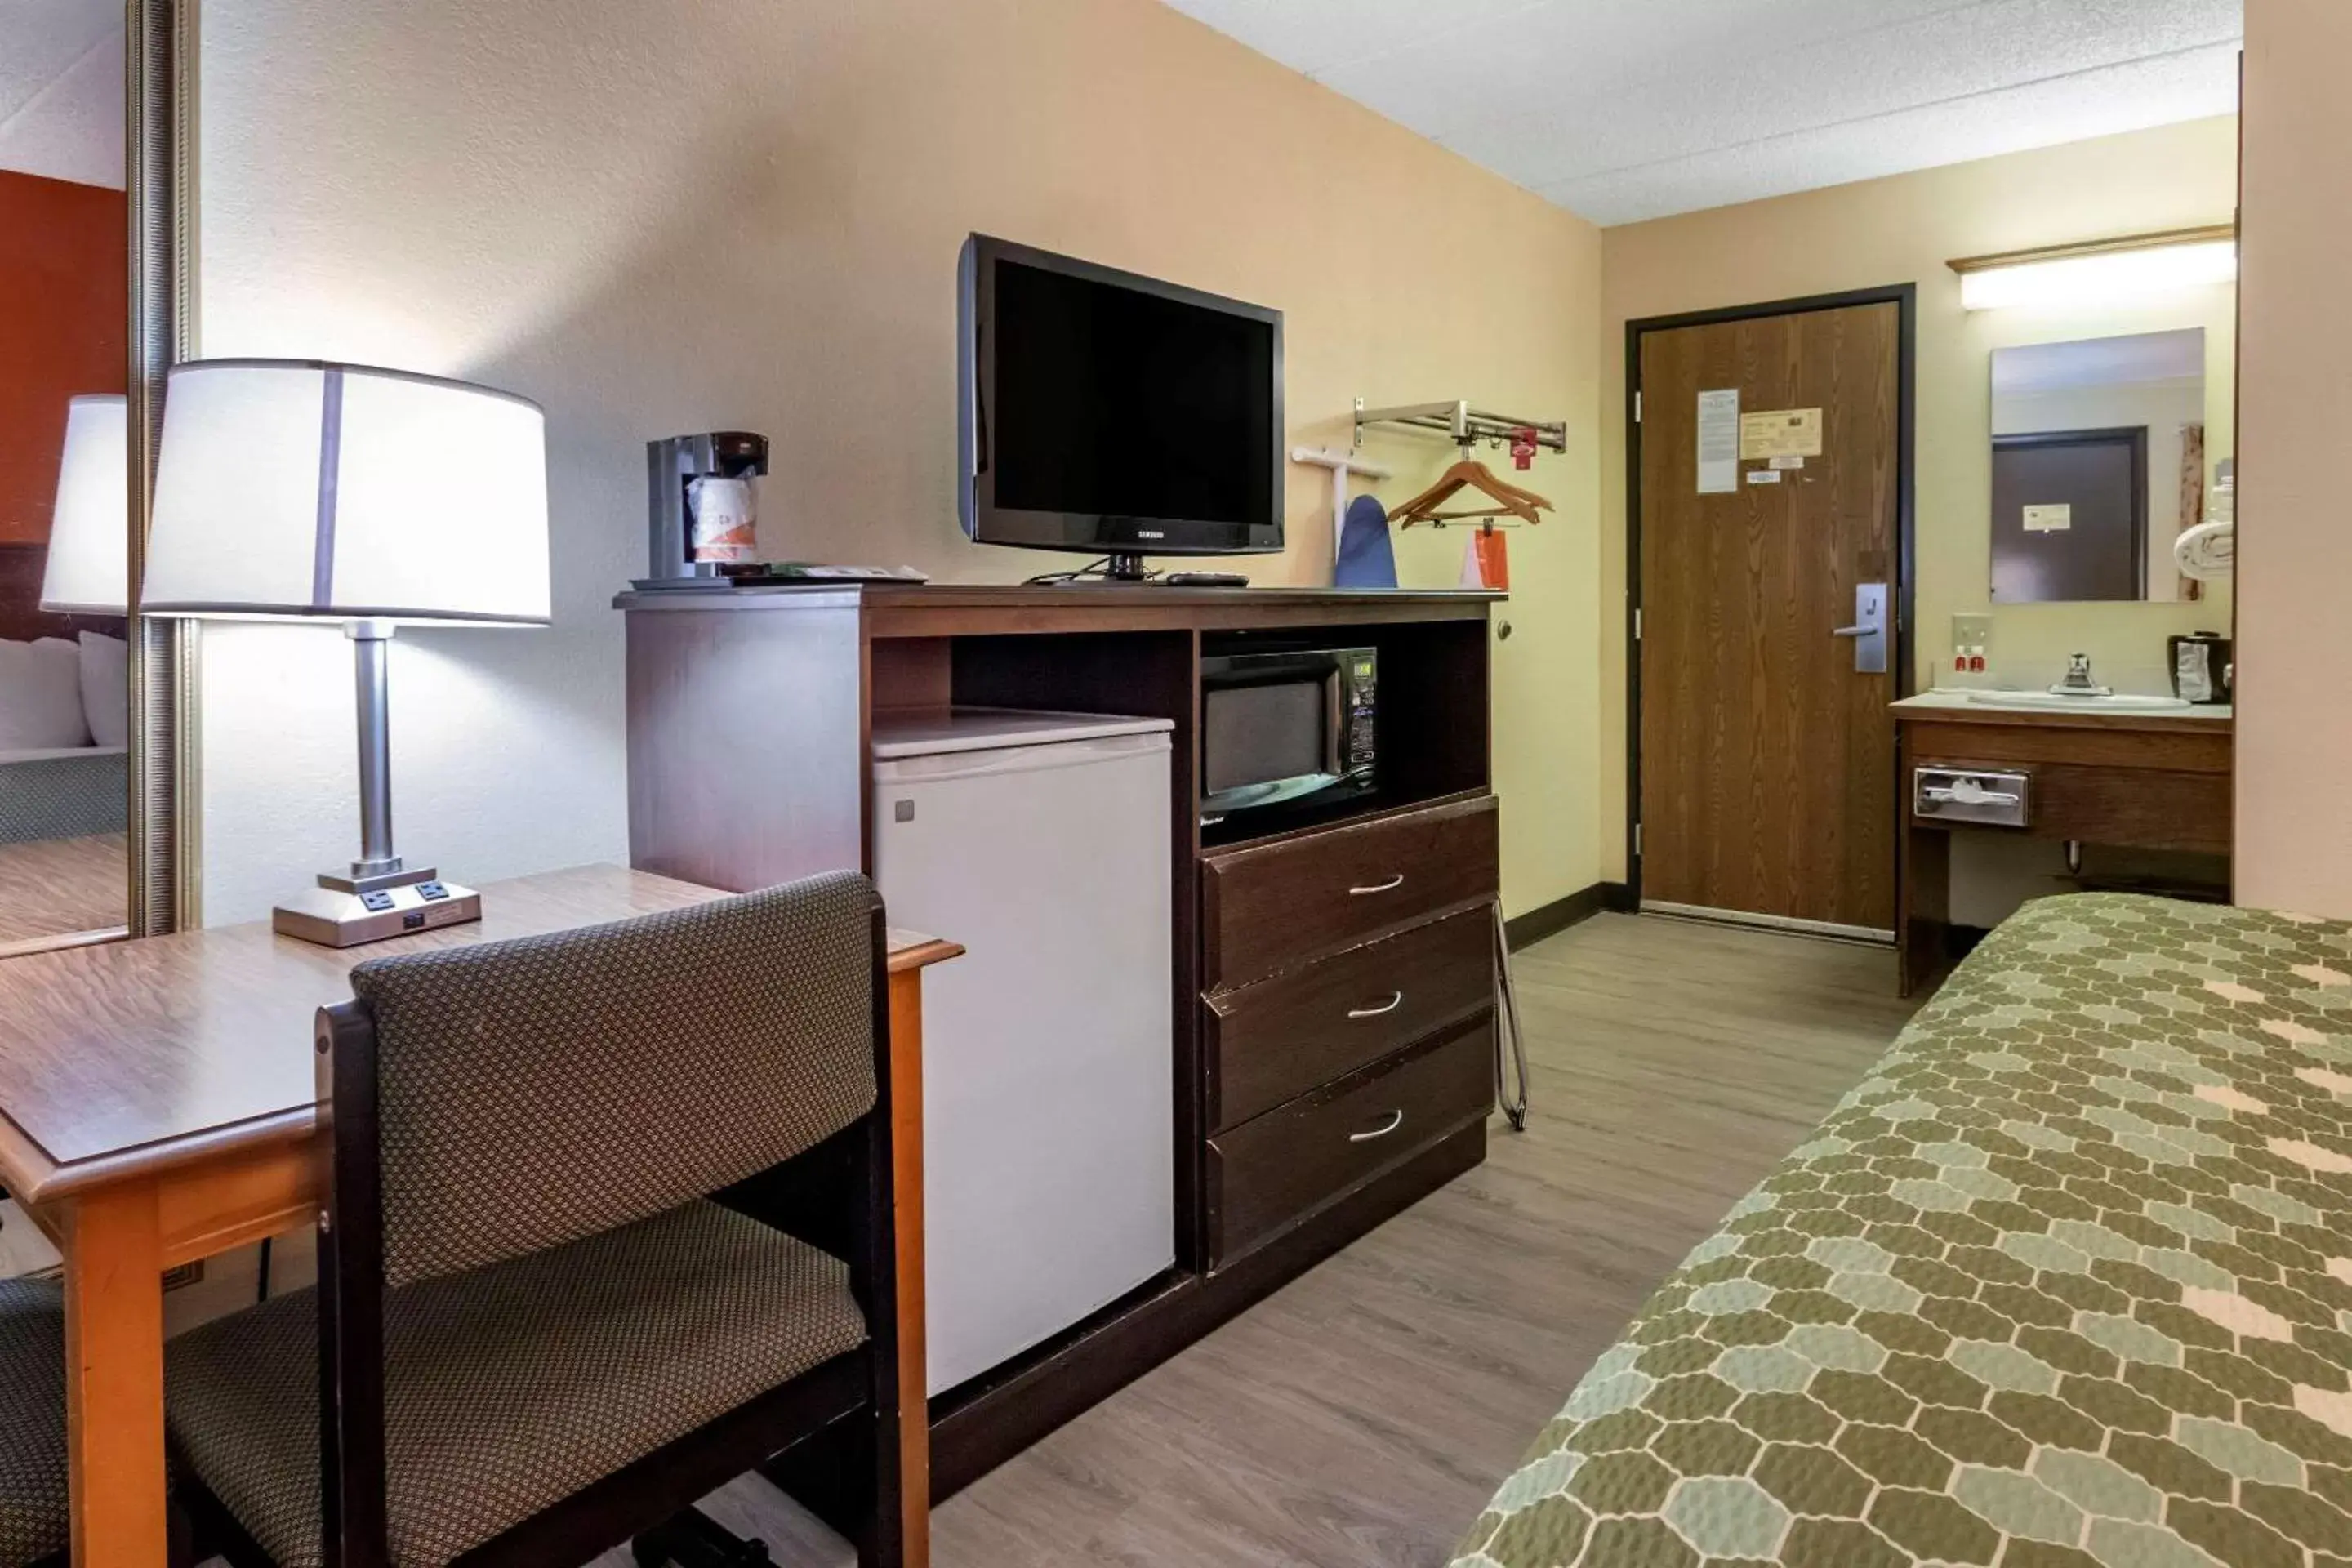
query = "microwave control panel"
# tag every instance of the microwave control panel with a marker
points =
(1363, 702)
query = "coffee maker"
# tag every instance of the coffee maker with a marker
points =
(2203, 667)
(702, 513)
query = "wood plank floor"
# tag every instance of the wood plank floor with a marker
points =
(1363, 1415)
(51, 887)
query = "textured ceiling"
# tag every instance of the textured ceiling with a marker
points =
(1625, 109)
(61, 89)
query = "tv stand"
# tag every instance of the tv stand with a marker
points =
(1310, 1104)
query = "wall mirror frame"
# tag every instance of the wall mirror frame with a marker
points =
(159, 106)
(160, 823)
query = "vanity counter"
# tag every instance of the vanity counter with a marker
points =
(2128, 778)
(1962, 706)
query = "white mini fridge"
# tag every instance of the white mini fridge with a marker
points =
(1040, 841)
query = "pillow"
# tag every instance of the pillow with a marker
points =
(40, 696)
(105, 689)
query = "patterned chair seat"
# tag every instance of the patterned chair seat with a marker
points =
(34, 1520)
(497, 1406)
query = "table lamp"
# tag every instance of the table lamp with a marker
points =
(295, 491)
(87, 572)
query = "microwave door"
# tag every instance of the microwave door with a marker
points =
(1270, 740)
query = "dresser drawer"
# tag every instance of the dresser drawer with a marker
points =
(1280, 1167)
(1265, 909)
(1298, 1030)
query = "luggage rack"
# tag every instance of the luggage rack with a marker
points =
(1466, 426)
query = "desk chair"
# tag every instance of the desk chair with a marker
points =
(535, 1336)
(34, 1517)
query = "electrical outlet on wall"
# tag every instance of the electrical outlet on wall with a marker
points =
(1971, 660)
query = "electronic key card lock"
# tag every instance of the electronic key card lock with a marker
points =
(1869, 628)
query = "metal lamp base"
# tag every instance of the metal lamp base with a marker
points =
(346, 911)
(381, 897)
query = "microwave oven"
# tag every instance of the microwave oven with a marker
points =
(1286, 731)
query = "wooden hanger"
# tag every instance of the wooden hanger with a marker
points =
(1510, 500)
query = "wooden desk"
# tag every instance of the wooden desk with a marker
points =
(156, 1106)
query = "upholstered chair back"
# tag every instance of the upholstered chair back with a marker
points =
(536, 1091)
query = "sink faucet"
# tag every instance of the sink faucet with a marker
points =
(2078, 681)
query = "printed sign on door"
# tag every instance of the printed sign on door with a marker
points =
(1780, 433)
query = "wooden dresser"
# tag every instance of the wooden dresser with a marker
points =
(1332, 1032)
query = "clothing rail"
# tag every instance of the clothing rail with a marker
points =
(1465, 425)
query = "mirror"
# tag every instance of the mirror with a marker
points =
(97, 721)
(2099, 461)
(65, 691)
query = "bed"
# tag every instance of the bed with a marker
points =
(2065, 1282)
(62, 792)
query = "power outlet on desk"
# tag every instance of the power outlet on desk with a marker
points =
(336, 918)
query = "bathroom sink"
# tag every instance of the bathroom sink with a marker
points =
(2117, 702)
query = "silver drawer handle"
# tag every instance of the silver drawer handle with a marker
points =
(1980, 797)
(1396, 1000)
(1396, 1120)
(1393, 882)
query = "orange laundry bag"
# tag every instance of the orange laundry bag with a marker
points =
(1493, 561)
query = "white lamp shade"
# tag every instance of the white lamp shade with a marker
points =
(290, 489)
(87, 572)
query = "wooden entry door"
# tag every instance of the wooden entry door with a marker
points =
(1767, 760)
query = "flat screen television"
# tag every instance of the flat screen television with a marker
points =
(1112, 413)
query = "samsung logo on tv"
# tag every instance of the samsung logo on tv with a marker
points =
(1150, 534)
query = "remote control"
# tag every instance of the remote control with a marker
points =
(1205, 580)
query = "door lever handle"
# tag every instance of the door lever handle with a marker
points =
(1868, 632)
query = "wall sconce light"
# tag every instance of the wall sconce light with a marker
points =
(2101, 271)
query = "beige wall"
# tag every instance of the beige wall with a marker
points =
(2295, 747)
(1903, 229)
(698, 213)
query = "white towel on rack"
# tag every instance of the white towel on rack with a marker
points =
(2207, 552)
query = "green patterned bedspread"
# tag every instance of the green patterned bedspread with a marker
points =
(2066, 1281)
